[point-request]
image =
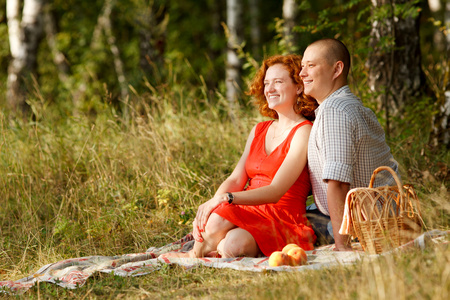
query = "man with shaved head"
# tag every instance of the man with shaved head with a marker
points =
(346, 143)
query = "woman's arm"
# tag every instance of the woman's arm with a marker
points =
(285, 177)
(235, 182)
(287, 174)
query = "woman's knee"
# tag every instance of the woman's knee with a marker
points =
(216, 224)
(238, 242)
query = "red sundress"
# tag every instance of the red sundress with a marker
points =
(277, 224)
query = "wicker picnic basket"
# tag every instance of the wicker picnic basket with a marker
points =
(384, 217)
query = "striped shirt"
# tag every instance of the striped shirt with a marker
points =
(346, 144)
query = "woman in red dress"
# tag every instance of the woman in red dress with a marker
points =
(261, 206)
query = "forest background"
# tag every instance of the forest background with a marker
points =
(118, 118)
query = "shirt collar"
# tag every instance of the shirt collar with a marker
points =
(342, 90)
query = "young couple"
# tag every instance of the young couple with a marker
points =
(261, 206)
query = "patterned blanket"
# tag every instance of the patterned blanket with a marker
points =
(73, 273)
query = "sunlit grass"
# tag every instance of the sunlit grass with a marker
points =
(414, 274)
(109, 183)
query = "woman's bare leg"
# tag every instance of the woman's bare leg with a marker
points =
(215, 230)
(238, 242)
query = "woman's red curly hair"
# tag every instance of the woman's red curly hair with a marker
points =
(304, 105)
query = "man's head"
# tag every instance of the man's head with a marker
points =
(325, 67)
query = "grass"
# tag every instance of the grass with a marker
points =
(411, 275)
(100, 182)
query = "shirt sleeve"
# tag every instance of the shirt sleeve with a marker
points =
(338, 146)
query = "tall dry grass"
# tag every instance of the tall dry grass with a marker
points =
(109, 184)
(100, 182)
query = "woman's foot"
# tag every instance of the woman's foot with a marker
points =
(175, 254)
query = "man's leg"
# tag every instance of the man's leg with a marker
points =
(321, 225)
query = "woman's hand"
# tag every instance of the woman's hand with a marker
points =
(204, 211)
(196, 232)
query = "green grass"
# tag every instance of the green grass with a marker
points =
(99, 182)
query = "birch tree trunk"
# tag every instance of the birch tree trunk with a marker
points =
(290, 10)
(255, 28)
(24, 35)
(118, 64)
(152, 22)
(435, 5)
(103, 25)
(395, 72)
(234, 63)
(59, 59)
(440, 134)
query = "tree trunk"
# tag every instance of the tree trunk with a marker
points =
(394, 63)
(103, 25)
(434, 5)
(152, 22)
(79, 94)
(59, 58)
(24, 36)
(118, 64)
(440, 134)
(290, 9)
(234, 63)
(255, 28)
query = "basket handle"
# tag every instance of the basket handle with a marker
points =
(397, 180)
(385, 168)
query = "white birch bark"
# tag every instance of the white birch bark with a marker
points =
(435, 5)
(24, 35)
(289, 15)
(234, 64)
(18, 52)
(441, 120)
(15, 34)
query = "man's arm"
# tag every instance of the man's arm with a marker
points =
(336, 193)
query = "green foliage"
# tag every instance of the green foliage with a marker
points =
(409, 9)
(109, 184)
(328, 21)
(385, 14)
(109, 177)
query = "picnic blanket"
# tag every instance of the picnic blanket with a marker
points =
(73, 273)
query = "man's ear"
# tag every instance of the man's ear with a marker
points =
(300, 90)
(338, 69)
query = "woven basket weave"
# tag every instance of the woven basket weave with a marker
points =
(384, 217)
